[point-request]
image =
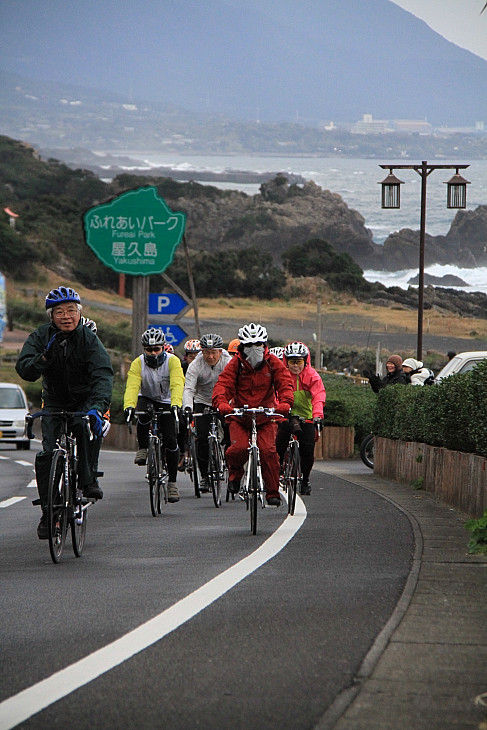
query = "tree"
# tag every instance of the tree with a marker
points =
(318, 257)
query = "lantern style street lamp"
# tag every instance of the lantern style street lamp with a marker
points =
(391, 191)
(456, 198)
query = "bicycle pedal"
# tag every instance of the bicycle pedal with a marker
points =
(99, 473)
(36, 501)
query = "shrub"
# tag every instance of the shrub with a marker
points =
(450, 414)
(348, 404)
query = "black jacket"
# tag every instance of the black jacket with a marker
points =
(398, 377)
(78, 374)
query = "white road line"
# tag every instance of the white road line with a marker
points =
(23, 705)
(4, 457)
(31, 484)
(23, 463)
(10, 501)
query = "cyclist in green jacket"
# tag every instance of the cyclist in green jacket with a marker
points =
(77, 375)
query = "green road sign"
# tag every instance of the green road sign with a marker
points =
(135, 233)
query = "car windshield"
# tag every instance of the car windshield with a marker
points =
(11, 398)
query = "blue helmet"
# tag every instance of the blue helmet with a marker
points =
(61, 295)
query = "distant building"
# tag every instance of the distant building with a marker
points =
(369, 125)
(412, 126)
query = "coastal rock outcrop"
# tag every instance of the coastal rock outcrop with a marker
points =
(465, 245)
(279, 216)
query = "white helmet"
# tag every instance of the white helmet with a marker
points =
(296, 349)
(251, 334)
(277, 351)
(153, 336)
(90, 324)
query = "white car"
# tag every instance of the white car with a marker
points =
(13, 408)
(461, 363)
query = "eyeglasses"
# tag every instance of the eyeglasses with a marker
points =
(58, 313)
(296, 360)
(156, 348)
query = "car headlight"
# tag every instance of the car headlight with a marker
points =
(19, 424)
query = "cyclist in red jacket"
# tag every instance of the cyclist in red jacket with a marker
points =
(254, 377)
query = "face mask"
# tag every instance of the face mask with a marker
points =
(254, 353)
(154, 361)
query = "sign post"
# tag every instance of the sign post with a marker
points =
(135, 233)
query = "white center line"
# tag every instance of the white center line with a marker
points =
(23, 705)
(9, 502)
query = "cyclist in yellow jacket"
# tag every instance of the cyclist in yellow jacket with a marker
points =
(156, 378)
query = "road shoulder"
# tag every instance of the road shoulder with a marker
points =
(426, 669)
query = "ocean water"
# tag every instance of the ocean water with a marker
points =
(356, 180)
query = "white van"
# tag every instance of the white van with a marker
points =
(461, 363)
(13, 409)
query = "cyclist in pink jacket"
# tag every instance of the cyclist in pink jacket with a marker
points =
(307, 412)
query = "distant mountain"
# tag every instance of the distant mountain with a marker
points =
(272, 61)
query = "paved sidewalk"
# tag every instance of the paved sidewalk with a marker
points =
(427, 670)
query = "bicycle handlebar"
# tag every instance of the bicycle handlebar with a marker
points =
(151, 411)
(244, 410)
(30, 418)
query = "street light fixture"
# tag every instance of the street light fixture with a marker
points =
(456, 198)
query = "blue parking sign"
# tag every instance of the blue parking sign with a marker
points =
(173, 332)
(166, 304)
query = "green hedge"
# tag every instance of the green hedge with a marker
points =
(450, 414)
(349, 404)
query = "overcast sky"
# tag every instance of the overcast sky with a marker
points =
(459, 21)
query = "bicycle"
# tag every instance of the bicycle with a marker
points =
(66, 503)
(217, 465)
(156, 474)
(252, 487)
(190, 461)
(367, 450)
(291, 475)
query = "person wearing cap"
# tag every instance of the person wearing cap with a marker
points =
(395, 374)
(201, 377)
(417, 372)
(254, 378)
(77, 375)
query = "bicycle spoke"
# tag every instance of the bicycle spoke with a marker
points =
(253, 490)
(295, 477)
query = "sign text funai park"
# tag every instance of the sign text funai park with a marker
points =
(135, 233)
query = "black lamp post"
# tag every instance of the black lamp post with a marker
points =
(456, 198)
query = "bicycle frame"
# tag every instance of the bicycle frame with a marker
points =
(216, 457)
(252, 486)
(66, 503)
(156, 473)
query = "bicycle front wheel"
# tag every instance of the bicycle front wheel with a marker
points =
(253, 489)
(57, 508)
(294, 478)
(153, 475)
(215, 469)
(194, 466)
